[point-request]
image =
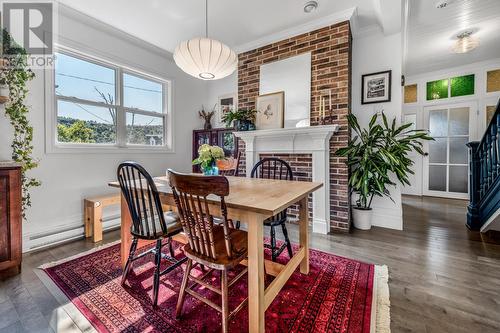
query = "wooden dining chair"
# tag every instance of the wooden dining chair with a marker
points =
(217, 247)
(229, 167)
(275, 168)
(149, 221)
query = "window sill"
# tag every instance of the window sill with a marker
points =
(106, 149)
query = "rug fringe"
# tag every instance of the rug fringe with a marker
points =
(79, 255)
(383, 303)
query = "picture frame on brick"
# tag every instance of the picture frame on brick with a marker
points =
(376, 87)
(270, 111)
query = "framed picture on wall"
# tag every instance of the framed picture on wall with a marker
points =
(270, 111)
(227, 103)
(376, 87)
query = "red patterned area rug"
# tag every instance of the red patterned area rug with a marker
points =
(337, 296)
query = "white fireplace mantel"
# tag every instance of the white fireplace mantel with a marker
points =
(314, 140)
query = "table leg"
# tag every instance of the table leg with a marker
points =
(256, 307)
(126, 239)
(304, 234)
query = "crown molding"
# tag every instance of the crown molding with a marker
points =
(334, 18)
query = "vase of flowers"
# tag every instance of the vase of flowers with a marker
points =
(207, 159)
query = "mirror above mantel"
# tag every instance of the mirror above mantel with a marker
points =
(293, 77)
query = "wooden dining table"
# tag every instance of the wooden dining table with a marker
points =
(250, 201)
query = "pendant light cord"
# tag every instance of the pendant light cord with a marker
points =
(206, 18)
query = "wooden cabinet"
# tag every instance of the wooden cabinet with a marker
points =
(222, 137)
(10, 219)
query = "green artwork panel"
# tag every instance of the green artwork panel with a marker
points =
(462, 85)
(437, 89)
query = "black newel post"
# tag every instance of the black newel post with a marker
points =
(474, 186)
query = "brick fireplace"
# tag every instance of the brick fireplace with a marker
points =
(331, 58)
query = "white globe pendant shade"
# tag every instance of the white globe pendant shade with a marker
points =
(205, 58)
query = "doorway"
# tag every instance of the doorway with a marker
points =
(446, 167)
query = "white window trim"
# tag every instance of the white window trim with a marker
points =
(120, 147)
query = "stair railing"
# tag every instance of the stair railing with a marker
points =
(484, 174)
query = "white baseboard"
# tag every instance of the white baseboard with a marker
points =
(320, 226)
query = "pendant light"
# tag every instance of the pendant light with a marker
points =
(205, 58)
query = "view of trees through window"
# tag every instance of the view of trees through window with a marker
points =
(87, 105)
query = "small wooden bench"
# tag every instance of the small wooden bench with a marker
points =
(92, 208)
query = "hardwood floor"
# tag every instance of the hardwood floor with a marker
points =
(443, 278)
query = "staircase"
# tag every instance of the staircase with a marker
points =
(483, 211)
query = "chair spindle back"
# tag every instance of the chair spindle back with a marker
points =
(272, 168)
(230, 167)
(143, 200)
(190, 194)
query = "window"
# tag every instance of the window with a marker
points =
(437, 89)
(102, 105)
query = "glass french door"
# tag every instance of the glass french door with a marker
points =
(446, 168)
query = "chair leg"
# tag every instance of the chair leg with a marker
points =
(156, 278)
(182, 292)
(273, 243)
(130, 259)
(287, 240)
(225, 302)
(171, 247)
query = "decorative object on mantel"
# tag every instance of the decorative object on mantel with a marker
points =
(270, 111)
(325, 119)
(241, 119)
(16, 78)
(11, 217)
(207, 116)
(208, 157)
(376, 87)
(227, 103)
(205, 58)
(372, 155)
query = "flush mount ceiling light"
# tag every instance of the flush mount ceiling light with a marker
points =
(443, 3)
(465, 43)
(310, 6)
(205, 58)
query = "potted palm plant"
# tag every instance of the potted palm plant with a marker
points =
(373, 155)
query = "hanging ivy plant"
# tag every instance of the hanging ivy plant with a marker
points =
(15, 77)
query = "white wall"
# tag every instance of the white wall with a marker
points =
(375, 53)
(68, 178)
(225, 86)
(480, 98)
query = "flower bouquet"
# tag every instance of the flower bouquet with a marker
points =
(207, 159)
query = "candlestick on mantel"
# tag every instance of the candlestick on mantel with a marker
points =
(321, 106)
(330, 99)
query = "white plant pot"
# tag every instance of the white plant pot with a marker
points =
(362, 218)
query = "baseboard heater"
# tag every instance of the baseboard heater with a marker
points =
(69, 233)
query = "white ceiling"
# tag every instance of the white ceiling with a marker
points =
(236, 23)
(432, 31)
